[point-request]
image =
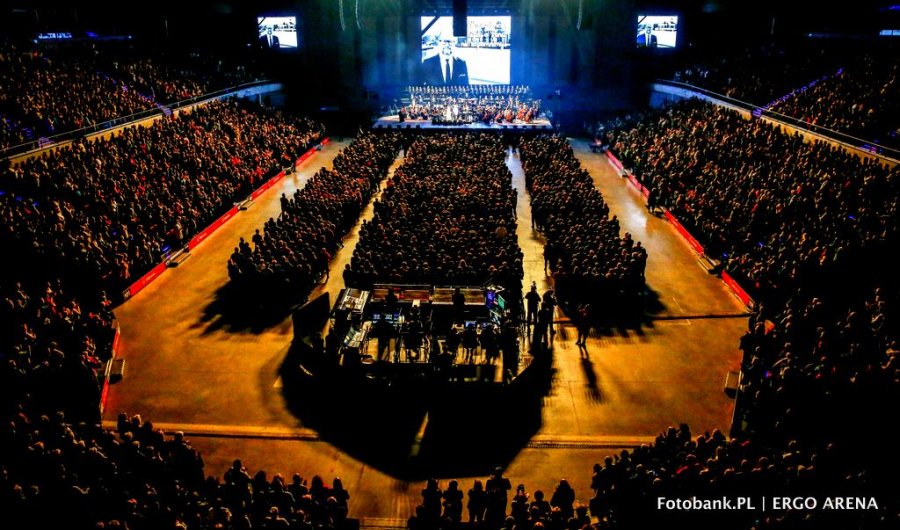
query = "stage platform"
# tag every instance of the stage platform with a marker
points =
(393, 122)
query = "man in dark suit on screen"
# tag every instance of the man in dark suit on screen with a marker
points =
(445, 68)
(268, 40)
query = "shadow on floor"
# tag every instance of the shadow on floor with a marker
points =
(414, 428)
(622, 317)
(236, 310)
(590, 375)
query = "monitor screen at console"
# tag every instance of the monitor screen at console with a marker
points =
(482, 57)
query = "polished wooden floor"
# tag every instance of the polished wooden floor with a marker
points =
(191, 367)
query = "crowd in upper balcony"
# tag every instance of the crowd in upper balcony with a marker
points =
(849, 89)
(46, 92)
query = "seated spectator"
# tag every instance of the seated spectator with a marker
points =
(108, 208)
(441, 221)
(584, 250)
(156, 473)
(294, 250)
(52, 91)
(55, 345)
(762, 200)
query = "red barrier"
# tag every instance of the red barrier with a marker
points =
(698, 248)
(266, 185)
(104, 394)
(631, 178)
(615, 161)
(115, 346)
(274, 180)
(197, 239)
(258, 191)
(737, 289)
(304, 156)
(145, 280)
(640, 187)
(310, 153)
(136, 287)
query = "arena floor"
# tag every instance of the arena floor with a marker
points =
(196, 364)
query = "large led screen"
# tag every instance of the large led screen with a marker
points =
(657, 31)
(277, 32)
(481, 57)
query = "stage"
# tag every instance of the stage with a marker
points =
(393, 122)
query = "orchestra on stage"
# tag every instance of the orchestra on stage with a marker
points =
(502, 104)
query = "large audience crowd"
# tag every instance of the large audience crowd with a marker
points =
(819, 366)
(172, 78)
(447, 216)
(111, 207)
(44, 92)
(639, 489)
(807, 227)
(850, 89)
(779, 211)
(804, 226)
(584, 250)
(58, 472)
(711, 467)
(106, 209)
(293, 251)
(861, 99)
(42, 96)
(54, 344)
(761, 75)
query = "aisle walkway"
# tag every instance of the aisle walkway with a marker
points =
(343, 256)
(633, 381)
(531, 242)
(671, 369)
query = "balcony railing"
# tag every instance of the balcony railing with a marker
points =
(160, 109)
(860, 143)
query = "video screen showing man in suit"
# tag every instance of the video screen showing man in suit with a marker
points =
(277, 32)
(657, 31)
(269, 39)
(481, 57)
(446, 68)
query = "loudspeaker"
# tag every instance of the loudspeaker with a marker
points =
(460, 27)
